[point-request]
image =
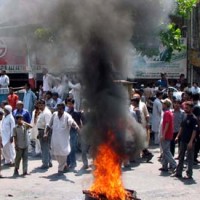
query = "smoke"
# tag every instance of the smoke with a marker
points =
(100, 33)
(71, 22)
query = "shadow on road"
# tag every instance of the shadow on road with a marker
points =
(57, 177)
(188, 181)
(82, 172)
(38, 170)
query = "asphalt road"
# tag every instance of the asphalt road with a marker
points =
(144, 178)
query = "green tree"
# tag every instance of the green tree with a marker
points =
(171, 36)
(171, 39)
(44, 35)
(184, 7)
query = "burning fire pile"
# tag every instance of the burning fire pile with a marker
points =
(107, 176)
(107, 173)
(112, 133)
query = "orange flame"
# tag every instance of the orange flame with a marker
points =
(107, 174)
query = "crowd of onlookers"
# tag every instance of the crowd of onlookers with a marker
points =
(48, 123)
(173, 119)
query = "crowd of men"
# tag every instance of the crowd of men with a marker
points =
(174, 120)
(52, 121)
(48, 122)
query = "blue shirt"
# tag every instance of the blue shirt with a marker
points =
(29, 100)
(162, 83)
(24, 113)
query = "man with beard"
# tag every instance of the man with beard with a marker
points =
(187, 135)
(8, 123)
(61, 123)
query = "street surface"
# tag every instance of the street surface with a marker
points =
(144, 178)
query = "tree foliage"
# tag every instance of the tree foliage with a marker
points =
(171, 39)
(44, 35)
(184, 7)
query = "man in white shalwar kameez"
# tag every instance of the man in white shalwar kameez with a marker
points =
(156, 117)
(34, 131)
(76, 92)
(60, 123)
(8, 123)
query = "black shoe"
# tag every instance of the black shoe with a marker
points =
(44, 167)
(9, 164)
(84, 167)
(26, 173)
(163, 169)
(195, 163)
(60, 173)
(16, 173)
(50, 165)
(149, 157)
(127, 166)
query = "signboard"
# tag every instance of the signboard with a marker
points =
(194, 57)
(13, 55)
(144, 67)
(14, 68)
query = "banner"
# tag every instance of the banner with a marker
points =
(144, 67)
(13, 55)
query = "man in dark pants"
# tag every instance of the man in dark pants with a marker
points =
(187, 135)
(42, 123)
(196, 111)
(178, 118)
(71, 159)
(1, 117)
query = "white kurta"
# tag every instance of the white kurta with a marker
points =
(4, 81)
(76, 92)
(60, 141)
(34, 133)
(8, 123)
(47, 82)
(156, 115)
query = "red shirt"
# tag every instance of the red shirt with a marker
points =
(168, 118)
(12, 100)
